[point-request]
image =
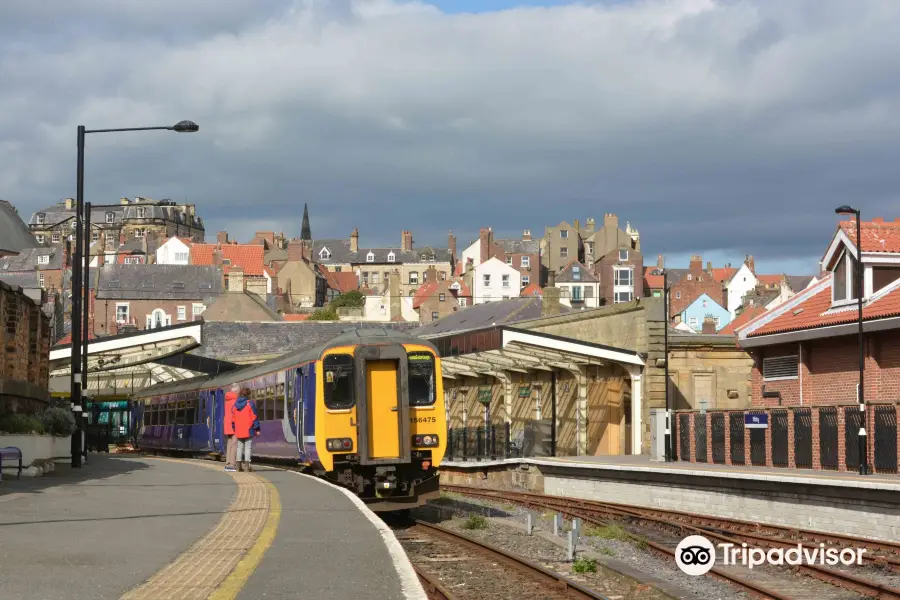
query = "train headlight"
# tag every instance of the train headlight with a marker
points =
(425, 440)
(339, 445)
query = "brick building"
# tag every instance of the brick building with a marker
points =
(249, 257)
(686, 285)
(46, 266)
(438, 298)
(14, 233)
(523, 255)
(805, 355)
(25, 338)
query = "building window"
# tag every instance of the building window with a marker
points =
(623, 254)
(526, 261)
(197, 309)
(39, 238)
(95, 236)
(690, 277)
(370, 257)
(182, 313)
(140, 212)
(132, 260)
(620, 297)
(563, 234)
(462, 301)
(41, 218)
(110, 217)
(43, 259)
(576, 293)
(504, 281)
(413, 277)
(442, 297)
(589, 248)
(122, 313)
(41, 280)
(781, 367)
(718, 323)
(694, 321)
(365, 277)
(374, 277)
(486, 279)
(442, 276)
(624, 278)
(657, 294)
(525, 280)
(181, 256)
(678, 295)
(509, 260)
(576, 273)
(844, 286)
(563, 252)
(139, 232)
(55, 237)
(391, 256)
(324, 254)
(434, 316)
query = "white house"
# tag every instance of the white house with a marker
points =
(472, 253)
(740, 283)
(174, 251)
(495, 280)
(579, 288)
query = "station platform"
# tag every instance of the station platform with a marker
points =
(136, 528)
(837, 502)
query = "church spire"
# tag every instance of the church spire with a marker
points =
(305, 233)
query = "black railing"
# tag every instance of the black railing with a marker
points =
(489, 442)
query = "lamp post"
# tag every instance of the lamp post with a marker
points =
(670, 447)
(79, 269)
(861, 397)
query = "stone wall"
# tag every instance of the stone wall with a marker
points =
(723, 370)
(24, 348)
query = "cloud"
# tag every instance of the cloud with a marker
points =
(723, 128)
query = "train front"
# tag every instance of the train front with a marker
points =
(382, 430)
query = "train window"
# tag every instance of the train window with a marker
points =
(270, 403)
(179, 415)
(421, 379)
(338, 376)
(279, 401)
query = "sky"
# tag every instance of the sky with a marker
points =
(720, 128)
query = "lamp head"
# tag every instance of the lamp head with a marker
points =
(846, 210)
(185, 127)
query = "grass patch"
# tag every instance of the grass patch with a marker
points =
(584, 565)
(508, 507)
(607, 551)
(475, 522)
(612, 531)
(444, 499)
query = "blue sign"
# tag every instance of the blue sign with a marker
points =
(757, 421)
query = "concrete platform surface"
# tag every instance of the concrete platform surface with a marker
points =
(161, 528)
(641, 462)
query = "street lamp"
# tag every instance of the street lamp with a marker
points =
(670, 445)
(81, 294)
(863, 445)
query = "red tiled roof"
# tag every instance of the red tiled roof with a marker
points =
(769, 279)
(720, 274)
(748, 314)
(464, 291)
(344, 281)
(878, 235)
(67, 339)
(424, 292)
(652, 281)
(813, 311)
(532, 289)
(247, 256)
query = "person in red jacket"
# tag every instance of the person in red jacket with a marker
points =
(228, 426)
(246, 425)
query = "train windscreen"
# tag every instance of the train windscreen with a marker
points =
(421, 379)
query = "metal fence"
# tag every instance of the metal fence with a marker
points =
(490, 442)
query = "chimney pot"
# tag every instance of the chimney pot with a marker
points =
(526, 235)
(222, 237)
(709, 325)
(709, 265)
(611, 221)
(354, 240)
(660, 262)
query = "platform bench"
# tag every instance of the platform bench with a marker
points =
(10, 453)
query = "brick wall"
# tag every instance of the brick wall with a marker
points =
(604, 268)
(685, 291)
(24, 339)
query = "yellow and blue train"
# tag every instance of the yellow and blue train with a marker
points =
(365, 410)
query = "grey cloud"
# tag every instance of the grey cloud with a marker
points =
(730, 127)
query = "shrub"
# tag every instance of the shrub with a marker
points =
(15, 423)
(476, 522)
(351, 299)
(58, 421)
(584, 565)
(323, 314)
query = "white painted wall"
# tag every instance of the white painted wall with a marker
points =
(566, 294)
(496, 269)
(165, 254)
(742, 282)
(473, 252)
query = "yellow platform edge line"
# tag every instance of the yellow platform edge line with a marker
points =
(234, 583)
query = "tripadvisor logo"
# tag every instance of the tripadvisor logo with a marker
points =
(696, 555)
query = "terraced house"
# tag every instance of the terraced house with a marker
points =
(373, 266)
(130, 218)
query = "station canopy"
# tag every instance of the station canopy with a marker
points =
(128, 362)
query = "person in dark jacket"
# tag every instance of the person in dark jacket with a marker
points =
(245, 422)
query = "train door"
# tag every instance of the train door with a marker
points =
(218, 420)
(298, 380)
(382, 408)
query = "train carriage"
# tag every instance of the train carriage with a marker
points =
(365, 410)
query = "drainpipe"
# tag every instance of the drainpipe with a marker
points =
(800, 367)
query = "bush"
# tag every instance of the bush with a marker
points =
(476, 522)
(24, 424)
(58, 421)
(323, 314)
(351, 299)
(584, 565)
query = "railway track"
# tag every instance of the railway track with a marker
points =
(460, 567)
(651, 524)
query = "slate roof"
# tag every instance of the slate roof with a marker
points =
(27, 260)
(520, 246)
(153, 209)
(238, 306)
(478, 316)
(798, 283)
(234, 340)
(248, 256)
(24, 280)
(341, 254)
(158, 282)
(567, 275)
(14, 233)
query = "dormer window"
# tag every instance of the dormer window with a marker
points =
(370, 257)
(843, 288)
(41, 218)
(324, 254)
(391, 256)
(44, 259)
(110, 217)
(140, 212)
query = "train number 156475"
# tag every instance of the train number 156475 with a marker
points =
(422, 420)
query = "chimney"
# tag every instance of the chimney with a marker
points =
(217, 256)
(550, 304)
(296, 251)
(610, 221)
(589, 225)
(268, 238)
(394, 287)
(696, 263)
(750, 264)
(485, 238)
(406, 241)
(709, 325)
(222, 237)
(69, 203)
(123, 200)
(451, 245)
(660, 261)
(236, 279)
(354, 240)
(526, 235)
(431, 274)
(709, 266)
(577, 225)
